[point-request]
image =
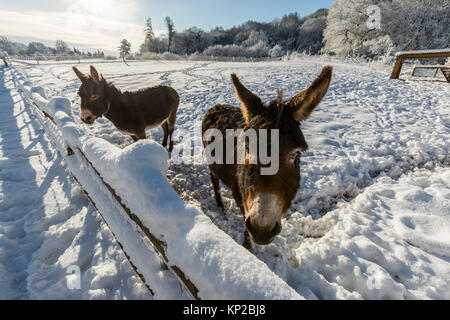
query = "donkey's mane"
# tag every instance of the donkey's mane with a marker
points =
(110, 85)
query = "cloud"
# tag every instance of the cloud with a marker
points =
(99, 26)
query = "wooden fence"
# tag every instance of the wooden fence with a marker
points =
(423, 54)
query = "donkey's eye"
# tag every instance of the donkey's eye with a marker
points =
(294, 158)
(95, 97)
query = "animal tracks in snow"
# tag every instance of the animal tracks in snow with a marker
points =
(374, 192)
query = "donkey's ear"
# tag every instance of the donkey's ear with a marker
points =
(304, 103)
(251, 103)
(94, 74)
(80, 74)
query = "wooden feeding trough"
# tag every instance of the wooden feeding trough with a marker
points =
(422, 54)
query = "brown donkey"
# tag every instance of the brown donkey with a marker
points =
(130, 112)
(263, 199)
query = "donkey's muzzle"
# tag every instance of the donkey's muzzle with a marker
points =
(262, 235)
(88, 120)
(263, 216)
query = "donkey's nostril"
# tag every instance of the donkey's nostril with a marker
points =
(276, 229)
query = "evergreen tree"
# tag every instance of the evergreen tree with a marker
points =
(149, 37)
(170, 31)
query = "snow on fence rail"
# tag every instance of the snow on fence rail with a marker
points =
(129, 189)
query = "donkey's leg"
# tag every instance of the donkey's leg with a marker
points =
(238, 198)
(134, 138)
(171, 126)
(165, 127)
(247, 242)
(216, 187)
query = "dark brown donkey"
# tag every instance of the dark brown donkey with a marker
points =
(263, 199)
(130, 112)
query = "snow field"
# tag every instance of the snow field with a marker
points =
(46, 222)
(369, 136)
(206, 254)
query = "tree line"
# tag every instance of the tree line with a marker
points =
(251, 39)
(341, 30)
(37, 49)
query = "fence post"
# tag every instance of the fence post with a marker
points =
(397, 67)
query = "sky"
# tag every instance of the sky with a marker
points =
(101, 24)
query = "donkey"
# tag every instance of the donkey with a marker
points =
(130, 112)
(263, 199)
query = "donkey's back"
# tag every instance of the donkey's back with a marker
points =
(155, 105)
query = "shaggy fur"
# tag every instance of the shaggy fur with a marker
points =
(130, 112)
(245, 180)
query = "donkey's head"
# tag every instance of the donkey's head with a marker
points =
(92, 93)
(267, 197)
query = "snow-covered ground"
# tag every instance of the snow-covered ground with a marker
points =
(371, 219)
(46, 222)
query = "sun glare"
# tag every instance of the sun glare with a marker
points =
(96, 7)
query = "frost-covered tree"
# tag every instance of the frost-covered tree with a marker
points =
(250, 39)
(377, 47)
(7, 45)
(418, 24)
(405, 25)
(61, 47)
(190, 41)
(170, 31)
(288, 30)
(347, 27)
(276, 51)
(310, 37)
(254, 38)
(124, 48)
(37, 47)
(149, 36)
